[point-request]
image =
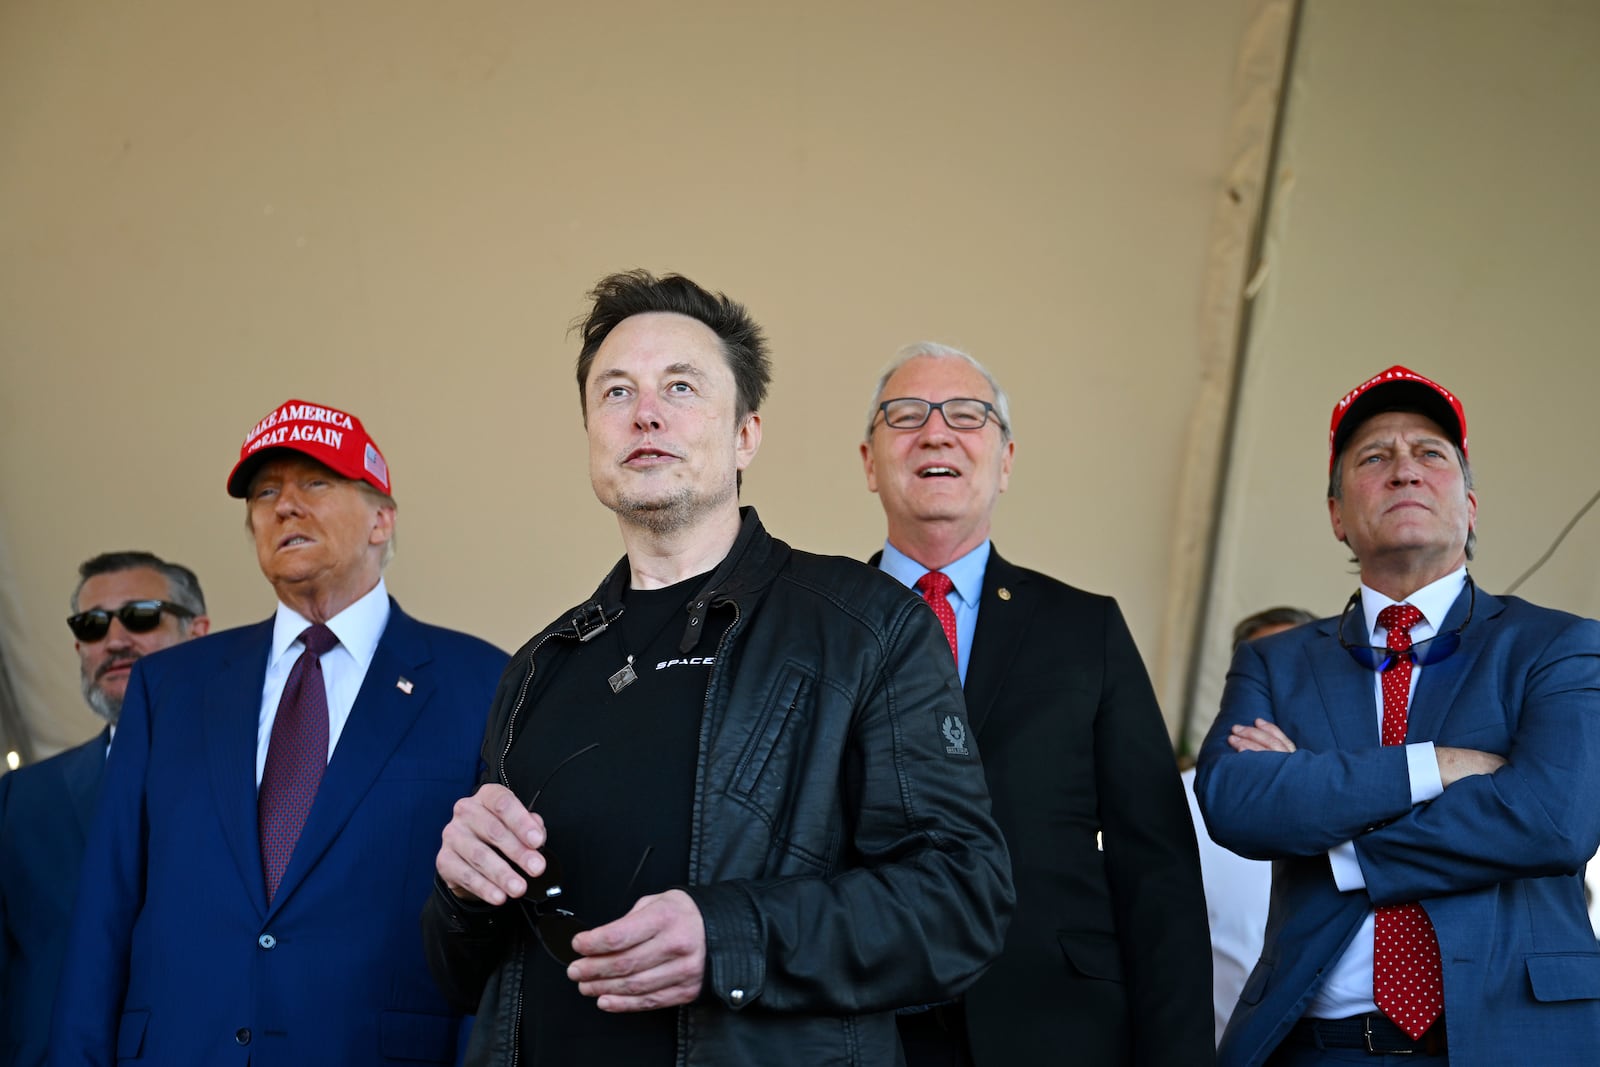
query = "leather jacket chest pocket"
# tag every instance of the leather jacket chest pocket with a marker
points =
(773, 736)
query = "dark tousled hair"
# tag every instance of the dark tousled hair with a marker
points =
(638, 292)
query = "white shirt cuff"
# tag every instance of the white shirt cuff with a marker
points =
(1423, 766)
(1346, 868)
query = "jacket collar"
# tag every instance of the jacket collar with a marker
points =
(1003, 622)
(384, 711)
(748, 568)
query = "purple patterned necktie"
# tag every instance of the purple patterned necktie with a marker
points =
(296, 757)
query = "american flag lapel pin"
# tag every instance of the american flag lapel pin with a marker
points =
(404, 685)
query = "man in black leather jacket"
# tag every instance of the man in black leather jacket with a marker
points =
(780, 743)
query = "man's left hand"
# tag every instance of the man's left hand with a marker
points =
(1264, 736)
(652, 957)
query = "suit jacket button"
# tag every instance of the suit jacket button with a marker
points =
(266, 941)
(736, 995)
(242, 1035)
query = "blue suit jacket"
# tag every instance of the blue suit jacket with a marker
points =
(175, 955)
(45, 812)
(1496, 860)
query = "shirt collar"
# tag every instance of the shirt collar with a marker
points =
(966, 573)
(1433, 600)
(358, 627)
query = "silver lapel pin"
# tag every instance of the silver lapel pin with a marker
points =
(404, 685)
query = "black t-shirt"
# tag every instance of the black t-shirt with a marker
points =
(622, 807)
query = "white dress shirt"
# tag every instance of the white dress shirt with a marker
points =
(1348, 989)
(1238, 893)
(358, 628)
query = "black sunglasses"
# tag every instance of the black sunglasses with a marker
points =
(554, 925)
(137, 617)
(1436, 648)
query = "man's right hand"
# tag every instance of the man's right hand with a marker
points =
(485, 830)
(1457, 763)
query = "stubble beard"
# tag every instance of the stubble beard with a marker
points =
(669, 514)
(100, 702)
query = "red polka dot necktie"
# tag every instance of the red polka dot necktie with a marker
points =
(935, 587)
(296, 757)
(1407, 979)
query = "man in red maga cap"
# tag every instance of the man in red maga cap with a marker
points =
(266, 831)
(1424, 771)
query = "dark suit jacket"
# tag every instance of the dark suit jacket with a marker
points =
(1108, 959)
(1496, 860)
(176, 957)
(45, 811)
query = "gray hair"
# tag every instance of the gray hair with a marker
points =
(183, 588)
(1251, 625)
(1336, 490)
(917, 349)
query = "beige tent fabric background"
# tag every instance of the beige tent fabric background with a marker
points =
(396, 207)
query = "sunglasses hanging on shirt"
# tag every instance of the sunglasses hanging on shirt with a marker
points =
(543, 905)
(1434, 649)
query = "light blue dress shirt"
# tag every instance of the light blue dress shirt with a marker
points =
(966, 574)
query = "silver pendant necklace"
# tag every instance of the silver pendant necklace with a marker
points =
(626, 675)
(623, 678)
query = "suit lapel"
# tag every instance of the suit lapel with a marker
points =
(83, 777)
(231, 722)
(381, 717)
(1346, 688)
(1005, 611)
(1439, 683)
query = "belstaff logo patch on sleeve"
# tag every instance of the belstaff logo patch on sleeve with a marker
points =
(955, 732)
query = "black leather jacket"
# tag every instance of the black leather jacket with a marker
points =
(842, 853)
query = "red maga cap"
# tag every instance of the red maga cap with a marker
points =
(332, 437)
(1396, 389)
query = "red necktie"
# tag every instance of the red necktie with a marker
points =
(1407, 979)
(935, 587)
(296, 757)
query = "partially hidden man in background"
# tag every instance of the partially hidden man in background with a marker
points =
(1424, 770)
(271, 805)
(1107, 961)
(742, 809)
(125, 606)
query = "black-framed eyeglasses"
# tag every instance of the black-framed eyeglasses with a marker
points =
(960, 413)
(1422, 653)
(136, 616)
(553, 924)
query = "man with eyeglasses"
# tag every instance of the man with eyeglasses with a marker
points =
(1424, 772)
(732, 813)
(126, 606)
(1107, 961)
(265, 832)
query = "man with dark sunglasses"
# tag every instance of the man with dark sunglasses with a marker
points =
(751, 762)
(265, 832)
(1424, 771)
(126, 606)
(1108, 954)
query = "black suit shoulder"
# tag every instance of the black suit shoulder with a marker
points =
(1029, 582)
